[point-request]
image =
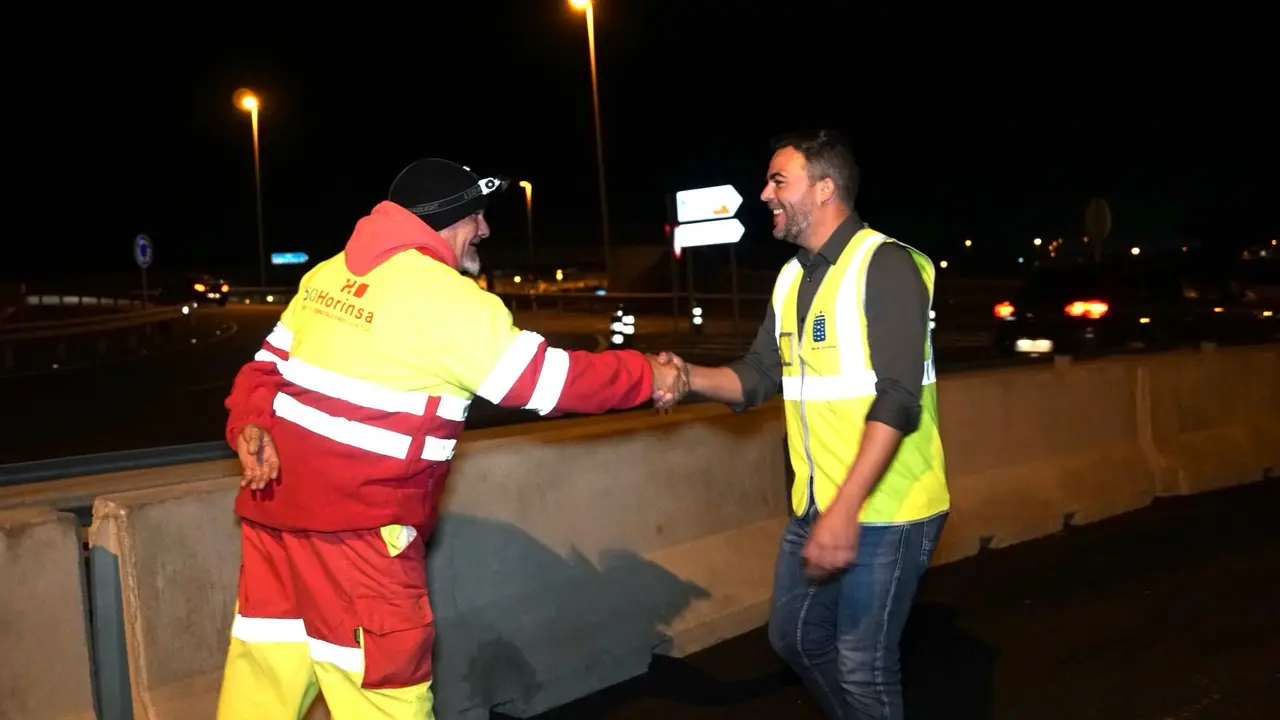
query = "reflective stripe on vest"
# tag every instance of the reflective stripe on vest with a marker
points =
(329, 384)
(829, 384)
(352, 384)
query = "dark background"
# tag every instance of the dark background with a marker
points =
(993, 121)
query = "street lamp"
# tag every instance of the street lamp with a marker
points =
(589, 7)
(528, 214)
(247, 101)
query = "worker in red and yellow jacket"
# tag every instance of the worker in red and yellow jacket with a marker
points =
(345, 422)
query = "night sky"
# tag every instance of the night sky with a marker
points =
(978, 120)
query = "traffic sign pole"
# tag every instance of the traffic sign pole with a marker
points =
(733, 275)
(705, 216)
(142, 254)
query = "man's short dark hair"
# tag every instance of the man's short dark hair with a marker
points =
(827, 155)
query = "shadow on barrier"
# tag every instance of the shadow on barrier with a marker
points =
(521, 628)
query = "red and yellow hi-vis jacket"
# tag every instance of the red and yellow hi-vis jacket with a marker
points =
(365, 381)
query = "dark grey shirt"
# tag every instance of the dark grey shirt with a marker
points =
(897, 324)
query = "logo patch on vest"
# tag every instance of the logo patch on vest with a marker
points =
(819, 328)
(342, 308)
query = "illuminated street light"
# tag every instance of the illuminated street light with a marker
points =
(249, 102)
(943, 264)
(589, 7)
(968, 243)
(1134, 250)
(528, 215)
(1036, 242)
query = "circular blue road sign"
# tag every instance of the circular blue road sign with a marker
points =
(142, 251)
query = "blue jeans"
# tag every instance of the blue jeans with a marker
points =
(841, 635)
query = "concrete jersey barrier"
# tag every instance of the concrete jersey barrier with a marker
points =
(43, 618)
(539, 597)
(571, 550)
(1215, 417)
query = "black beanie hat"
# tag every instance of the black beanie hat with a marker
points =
(442, 192)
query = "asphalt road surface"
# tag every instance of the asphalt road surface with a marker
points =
(174, 395)
(1168, 613)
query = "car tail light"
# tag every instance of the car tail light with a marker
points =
(1092, 309)
(1004, 310)
(199, 287)
(226, 287)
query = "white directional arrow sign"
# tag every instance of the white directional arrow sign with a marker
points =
(709, 203)
(715, 232)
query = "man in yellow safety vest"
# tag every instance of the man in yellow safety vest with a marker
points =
(846, 340)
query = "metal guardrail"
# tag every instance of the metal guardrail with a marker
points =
(78, 301)
(120, 461)
(17, 332)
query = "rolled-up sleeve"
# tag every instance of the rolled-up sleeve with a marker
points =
(760, 370)
(897, 327)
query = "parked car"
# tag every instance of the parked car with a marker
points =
(1081, 308)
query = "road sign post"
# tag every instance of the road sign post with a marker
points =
(1097, 223)
(705, 216)
(733, 275)
(142, 254)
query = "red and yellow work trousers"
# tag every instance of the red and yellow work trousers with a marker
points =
(344, 614)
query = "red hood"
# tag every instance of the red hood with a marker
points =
(390, 230)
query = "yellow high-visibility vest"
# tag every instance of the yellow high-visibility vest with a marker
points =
(828, 385)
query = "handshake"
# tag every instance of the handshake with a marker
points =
(670, 379)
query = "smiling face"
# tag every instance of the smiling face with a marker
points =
(463, 236)
(791, 196)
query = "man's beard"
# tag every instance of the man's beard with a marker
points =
(796, 225)
(469, 263)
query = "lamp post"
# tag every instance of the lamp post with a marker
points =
(589, 7)
(246, 100)
(528, 215)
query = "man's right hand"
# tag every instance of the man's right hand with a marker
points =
(665, 396)
(259, 460)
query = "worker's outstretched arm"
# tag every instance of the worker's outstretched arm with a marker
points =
(518, 368)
